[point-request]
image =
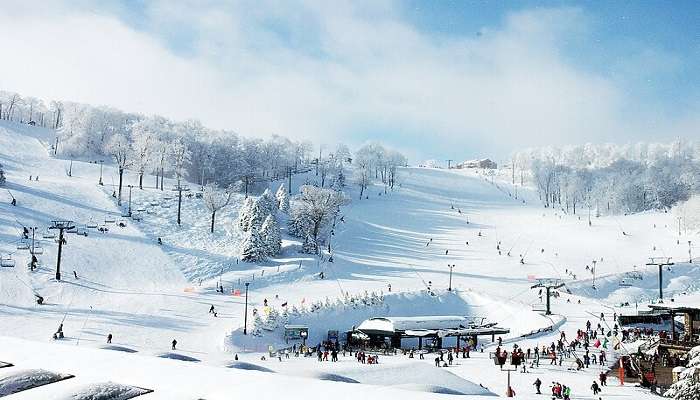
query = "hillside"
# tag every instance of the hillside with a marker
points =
(147, 294)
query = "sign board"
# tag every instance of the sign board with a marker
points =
(296, 332)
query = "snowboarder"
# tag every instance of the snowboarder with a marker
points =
(211, 309)
(446, 251)
(160, 241)
(174, 343)
(39, 299)
(109, 338)
(75, 274)
(13, 202)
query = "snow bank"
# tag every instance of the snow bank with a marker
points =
(28, 379)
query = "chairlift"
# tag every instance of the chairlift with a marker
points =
(109, 219)
(81, 231)
(7, 261)
(539, 307)
(91, 224)
(165, 205)
(167, 198)
(140, 209)
(37, 250)
(23, 245)
(136, 217)
(150, 211)
(623, 283)
(72, 230)
(154, 203)
(48, 234)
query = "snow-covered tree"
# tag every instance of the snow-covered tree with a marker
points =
(180, 156)
(215, 199)
(688, 385)
(282, 199)
(244, 214)
(270, 233)
(310, 245)
(267, 203)
(299, 223)
(321, 205)
(252, 246)
(144, 134)
(119, 148)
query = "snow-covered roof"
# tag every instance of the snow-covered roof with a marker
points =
(393, 324)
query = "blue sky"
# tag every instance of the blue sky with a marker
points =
(437, 79)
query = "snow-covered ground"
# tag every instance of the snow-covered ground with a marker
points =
(146, 295)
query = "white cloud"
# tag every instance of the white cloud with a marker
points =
(325, 71)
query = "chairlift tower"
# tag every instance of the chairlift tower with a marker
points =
(660, 262)
(548, 284)
(61, 226)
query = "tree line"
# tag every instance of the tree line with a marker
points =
(613, 178)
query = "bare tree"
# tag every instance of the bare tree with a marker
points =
(119, 148)
(215, 199)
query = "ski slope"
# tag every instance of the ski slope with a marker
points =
(147, 294)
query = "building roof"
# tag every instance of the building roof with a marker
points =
(390, 325)
(676, 307)
(435, 325)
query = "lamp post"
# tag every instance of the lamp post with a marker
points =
(449, 288)
(100, 182)
(129, 200)
(245, 315)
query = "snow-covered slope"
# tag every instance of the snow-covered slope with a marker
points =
(147, 294)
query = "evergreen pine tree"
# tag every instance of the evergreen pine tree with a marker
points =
(309, 246)
(282, 199)
(299, 224)
(267, 203)
(270, 234)
(688, 385)
(253, 247)
(244, 214)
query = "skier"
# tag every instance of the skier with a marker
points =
(160, 241)
(109, 338)
(595, 388)
(39, 299)
(538, 384)
(211, 309)
(446, 251)
(174, 343)
(75, 274)
(603, 379)
(13, 202)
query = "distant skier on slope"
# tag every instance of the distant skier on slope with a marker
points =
(174, 343)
